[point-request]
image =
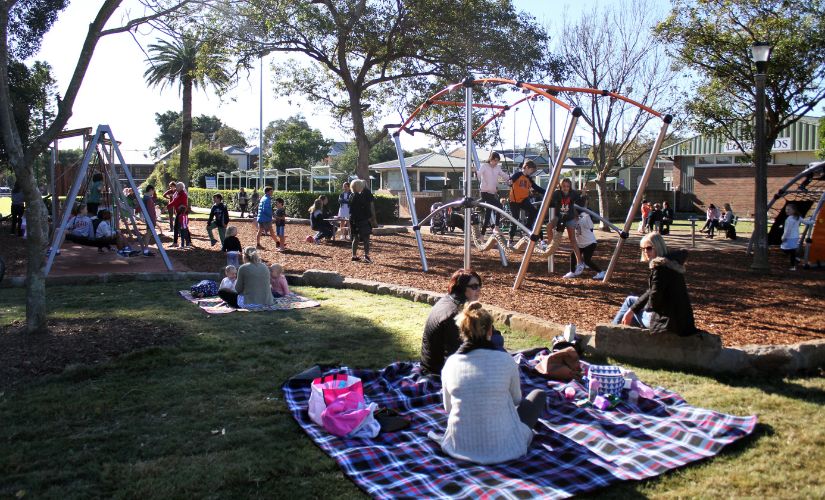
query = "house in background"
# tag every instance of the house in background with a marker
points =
(246, 158)
(712, 170)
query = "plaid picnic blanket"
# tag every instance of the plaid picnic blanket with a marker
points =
(215, 305)
(574, 451)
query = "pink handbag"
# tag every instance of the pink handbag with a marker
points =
(327, 389)
(351, 416)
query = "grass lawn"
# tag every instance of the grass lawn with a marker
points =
(205, 418)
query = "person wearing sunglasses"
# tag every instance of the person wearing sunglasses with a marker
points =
(441, 337)
(665, 306)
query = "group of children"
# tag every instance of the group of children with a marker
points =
(656, 217)
(277, 280)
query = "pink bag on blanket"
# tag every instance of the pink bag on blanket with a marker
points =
(351, 416)
(327, 389)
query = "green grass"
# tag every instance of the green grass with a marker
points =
(150, 423)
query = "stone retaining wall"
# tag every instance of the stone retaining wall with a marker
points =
(701, 352)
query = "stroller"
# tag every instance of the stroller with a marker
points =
(438, 224)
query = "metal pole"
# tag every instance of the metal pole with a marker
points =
(260, 130)
(405, 179)
(552, 148)
(545, 202)
(53, 188)
(637, 200)
(468, 172)
(760, 222)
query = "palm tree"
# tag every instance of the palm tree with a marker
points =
(190, 62)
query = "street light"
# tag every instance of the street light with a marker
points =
(760, 52)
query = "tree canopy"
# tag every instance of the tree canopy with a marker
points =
(384, 150)
(169, 124)
(366, 59)
(296, 144)
(713, 39)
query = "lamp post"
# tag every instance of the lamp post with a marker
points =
(760, 51)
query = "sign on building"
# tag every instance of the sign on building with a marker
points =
(211, 182)
(780, 144)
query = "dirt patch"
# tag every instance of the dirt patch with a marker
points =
(729, 299)
(25, 356)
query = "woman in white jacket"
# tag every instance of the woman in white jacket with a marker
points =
(488, 421)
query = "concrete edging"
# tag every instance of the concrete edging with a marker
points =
(702, 352)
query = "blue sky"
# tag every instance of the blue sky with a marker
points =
(114, 91)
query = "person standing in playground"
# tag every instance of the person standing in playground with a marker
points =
(586, 243)
(253, 203)
(170, 212)
(521, 186)
(265, 216)
(280, 225)
(562, 201)
(94, 194)
(790, 235)
(361, 218)
(343, 209)
(488, 175)
(18, 207)
(243, 201)
(179, 199)
(151, 215)
(218, 219)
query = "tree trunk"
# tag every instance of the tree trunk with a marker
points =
(37, 236)
(604, 205)
(362, 141)
(185, 129)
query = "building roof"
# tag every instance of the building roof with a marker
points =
(137, 156)
(426, 160)
(337, 148)
(804, 135)
(576, 161)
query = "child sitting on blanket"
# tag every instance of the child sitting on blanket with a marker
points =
(277, 281)
(231, 276)
(488, 421)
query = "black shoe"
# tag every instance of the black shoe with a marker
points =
(367, 260)
(356, 258)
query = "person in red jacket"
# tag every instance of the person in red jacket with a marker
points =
(179, 199)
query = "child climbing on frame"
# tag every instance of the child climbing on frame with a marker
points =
(521, 186)
(586, 242)
(488, 175)
(563, 201)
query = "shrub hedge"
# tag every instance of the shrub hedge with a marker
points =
(297, 203)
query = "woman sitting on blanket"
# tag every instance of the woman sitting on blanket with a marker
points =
(665, 306)
(441, 336)
(488, 421)
(252, 285)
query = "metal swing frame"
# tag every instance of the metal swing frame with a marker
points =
(60, 232)
(468, 203)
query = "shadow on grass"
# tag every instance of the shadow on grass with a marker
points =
(202, 418)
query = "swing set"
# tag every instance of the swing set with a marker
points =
(534, 91)
(101, 155)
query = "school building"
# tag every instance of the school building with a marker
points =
(713, 170)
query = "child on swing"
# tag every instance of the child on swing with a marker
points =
(565, 219)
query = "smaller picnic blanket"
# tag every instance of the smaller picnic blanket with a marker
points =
(216, 305)
(575, 450)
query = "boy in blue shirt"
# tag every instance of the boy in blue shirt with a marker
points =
(265, 215)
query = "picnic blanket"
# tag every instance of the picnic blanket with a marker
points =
(574, 451)
(215, 305)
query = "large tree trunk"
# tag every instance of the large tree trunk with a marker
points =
(37, 236)
(185, 129)
(604, 202)
(362, 141)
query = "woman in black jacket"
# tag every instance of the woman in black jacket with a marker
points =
(665, 306)
(441, 338)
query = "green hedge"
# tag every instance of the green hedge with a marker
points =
(297, 202)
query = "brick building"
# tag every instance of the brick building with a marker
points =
(711, 170)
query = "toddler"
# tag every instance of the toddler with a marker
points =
(232, 247)
(183, 225)
(231, 276)
(277, 281)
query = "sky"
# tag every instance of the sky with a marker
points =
(114, 91)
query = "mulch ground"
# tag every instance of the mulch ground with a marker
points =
(25, 357)
(729, 299)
